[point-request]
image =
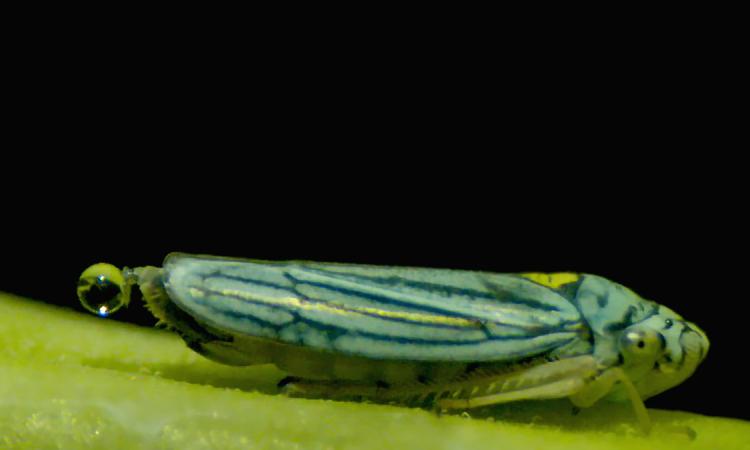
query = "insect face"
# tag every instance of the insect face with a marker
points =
(664, 348)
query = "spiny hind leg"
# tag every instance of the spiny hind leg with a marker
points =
(576, 378)
(551, 379)
(555, 389)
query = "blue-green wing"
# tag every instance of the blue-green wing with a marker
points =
(376, 312)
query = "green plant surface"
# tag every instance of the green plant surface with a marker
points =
(71, 380)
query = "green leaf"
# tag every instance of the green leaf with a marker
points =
(72, 380)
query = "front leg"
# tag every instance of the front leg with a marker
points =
(603, 384)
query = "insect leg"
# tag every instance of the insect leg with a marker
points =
(552, 379)
(555, 389)
(555, 379)
(602, 385)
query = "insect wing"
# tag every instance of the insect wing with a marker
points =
(376, 312)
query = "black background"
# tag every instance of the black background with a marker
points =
(420, 163)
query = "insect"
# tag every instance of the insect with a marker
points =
(458, 339)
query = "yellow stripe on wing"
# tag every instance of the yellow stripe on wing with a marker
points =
(294, 302)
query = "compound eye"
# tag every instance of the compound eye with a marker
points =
(102, 289)
(642, 343)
